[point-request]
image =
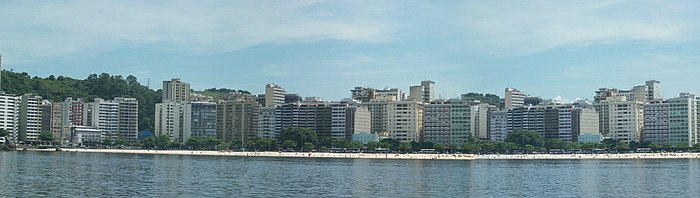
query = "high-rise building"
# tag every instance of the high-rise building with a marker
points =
(585, 125)
(274, 95)
(642, 93)
(46, 115)
(64, 115)
(482, 120)
(267, 122)
(428, 90)
(514, 98)
(621, 119)
(347, 119)
(401, 120)
(9, 116)
(637, 93)
(128, 119)
(673, 121)
(416, 93)
(117, 119)
(30, 117)
(656, 122)
(683, 120)
(653, 90)
(180, 121)
(565, 122)
(389, 94)
(170, 121)
(176, 91)
(498, 126)
(363, 94)
(236, 120)
(451, 122)
(199, 120)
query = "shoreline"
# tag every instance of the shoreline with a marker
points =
(622, 156)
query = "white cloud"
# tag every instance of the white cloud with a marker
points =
(519, 28)
(59, 28)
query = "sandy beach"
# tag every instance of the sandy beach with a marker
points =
(625, 156)
(286, 154)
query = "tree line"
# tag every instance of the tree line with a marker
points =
(302, 139)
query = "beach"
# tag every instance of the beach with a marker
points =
(283, 154)
(621, 156)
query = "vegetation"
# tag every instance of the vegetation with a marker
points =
(157, 142)
(4, 133)
(491, 99)
(103, 86)
(298, 138)
(46, 136)
(94, 86)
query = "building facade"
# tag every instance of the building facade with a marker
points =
(401, 120)
(514, 98)
(30, 118)
(274, 95)
(176, 91)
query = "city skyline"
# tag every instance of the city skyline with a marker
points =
(318, 48)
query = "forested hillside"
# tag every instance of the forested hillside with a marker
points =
(485, 98)
(102, 86)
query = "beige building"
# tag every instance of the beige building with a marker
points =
(176, 91)
(274, 95)
(621, 119)
(402, 120)
(514, 98)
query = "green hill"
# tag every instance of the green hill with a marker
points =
(94, 86)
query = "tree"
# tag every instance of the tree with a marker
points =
(405, 146)
(46, 136)
(555, 144)
(438, 147)
(308, 146)
(4, 133)
(523, 138)
(510, 147)
(609, 143)
(288, 144)
(355, 144)
(392, 143)
(452, 148)
(654, 146)
(529, 148)
(299, 135)
(470, 148)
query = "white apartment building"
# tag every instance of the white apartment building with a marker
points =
(117, 119)
(169, 121)
(9, 115)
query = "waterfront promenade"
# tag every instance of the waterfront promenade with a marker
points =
(621, 156)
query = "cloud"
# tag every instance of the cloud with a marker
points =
(59, 28)
(521, 28)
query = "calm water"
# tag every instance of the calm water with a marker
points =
(32, 174)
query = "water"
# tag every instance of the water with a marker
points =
(61, 174)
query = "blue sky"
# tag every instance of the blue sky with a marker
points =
(325, 48)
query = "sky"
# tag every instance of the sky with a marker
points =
(550, 49)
